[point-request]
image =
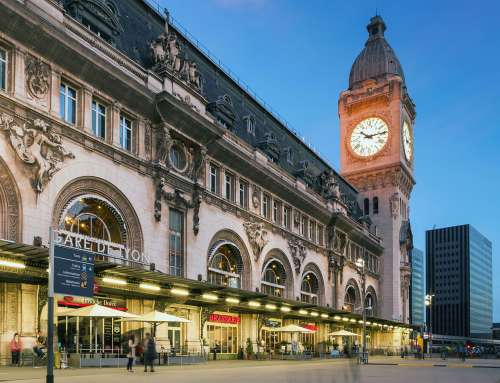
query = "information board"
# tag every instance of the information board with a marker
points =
(73, 271)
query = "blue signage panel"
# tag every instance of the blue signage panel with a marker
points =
(73, 271)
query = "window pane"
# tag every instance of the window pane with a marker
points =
(62, 101)
(3, 69)
(71, 110)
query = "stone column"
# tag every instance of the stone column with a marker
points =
(85, 109)
(18, 86)
(113, 134)
(55, 84)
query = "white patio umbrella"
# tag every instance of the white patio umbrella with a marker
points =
(293, 328)
(156, 318)
(98, 311)
(343, 333)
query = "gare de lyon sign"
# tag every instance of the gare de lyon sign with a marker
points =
(73, 260)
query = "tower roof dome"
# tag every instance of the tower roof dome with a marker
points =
(377, 59)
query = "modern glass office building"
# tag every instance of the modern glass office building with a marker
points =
(417, 287)
(459, 274)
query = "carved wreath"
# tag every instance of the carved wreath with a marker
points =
(37, 77)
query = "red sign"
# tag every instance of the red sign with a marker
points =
(310, 327)
(220, 318)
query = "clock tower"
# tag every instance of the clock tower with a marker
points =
(376, 145)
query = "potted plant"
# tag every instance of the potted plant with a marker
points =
(249, 348)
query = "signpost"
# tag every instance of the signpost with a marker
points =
(71, 272)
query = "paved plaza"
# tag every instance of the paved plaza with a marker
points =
(387, 370)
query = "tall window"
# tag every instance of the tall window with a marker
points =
(312, 231)
(303, 226)
(366, 206)
(350, 299)
(375, 205)
(176, 242)
(67, 97)
(229, 186)
(225, 267)
(287, 214)
(98, 119)
(243, 194)
(214, 178)
(3, 69)
(125, 133)
(309, 290)
(274, 279)
(266, 200)
(320, 235)
(277, 212)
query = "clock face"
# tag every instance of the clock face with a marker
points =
(369, 137)
(407, 141)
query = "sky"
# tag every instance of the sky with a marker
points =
(297, 55)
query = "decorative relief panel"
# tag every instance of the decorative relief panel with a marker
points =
(257, 236)
(37, 77)
(37, 146)
(394, 204)
(298, 251)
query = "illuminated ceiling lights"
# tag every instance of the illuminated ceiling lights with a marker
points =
(148, 286)
(336, 317)
(303, 312)
(314, 314)
(270, 306)
(179, 292)
(114, 281)
(254, 304)
(323, 315)
(360, 321)
(15, 265)
(210, 297)
(345, 319)
(352, 320)
(232, 300)
(285, 309)
(368, 323)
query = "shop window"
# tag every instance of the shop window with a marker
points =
(309, 291)
(176, 242)
(366, 206)
(375, 205)
(125, 133)
(243, 194)
(228, 186)
(222, 339)
(67, 98)
(213, 180)
(98, 119)
(225, 267)
(3, 69)
(274, 279)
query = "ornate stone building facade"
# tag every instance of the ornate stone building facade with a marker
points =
(115, 126)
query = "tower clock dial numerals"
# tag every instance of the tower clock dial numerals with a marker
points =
(407, 141)
(369, 137)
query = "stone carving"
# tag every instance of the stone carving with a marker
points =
(198, 163)
(163, 144)
(330, 188)
(147, 139)
(37, 146)
(37, 77)
(296, 219)
(256, 196)
(298, 251)
(339, 242)
(257, 237)
(394, 203)
(167, 55)
(177, 198)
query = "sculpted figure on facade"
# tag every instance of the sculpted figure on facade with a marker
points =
(257, 237)
(36, 146)
(256, 196)
(198, 163)
(37, 77)
(330, 188)
(298, 251)
(163, 143)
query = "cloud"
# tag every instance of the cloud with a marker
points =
(241, 4)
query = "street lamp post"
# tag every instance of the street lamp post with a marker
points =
(360, 263)
(428, 303)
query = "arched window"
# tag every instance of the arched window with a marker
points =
(226, 266)
(366, 206)
(274, 279)
(350, 299)
(94, 217)
(309, 289)
(375, 205)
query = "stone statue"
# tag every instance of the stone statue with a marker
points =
(257, 237)
(330, 188)
(298, 252)
(174, 51)
(36, 146)
(198, 163)
(163, 144)
(194, 75)
(159, 53)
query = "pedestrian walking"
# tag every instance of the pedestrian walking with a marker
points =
(149, 353)
(15, 349)
(131, 353)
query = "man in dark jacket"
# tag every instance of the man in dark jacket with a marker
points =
(149, 353)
